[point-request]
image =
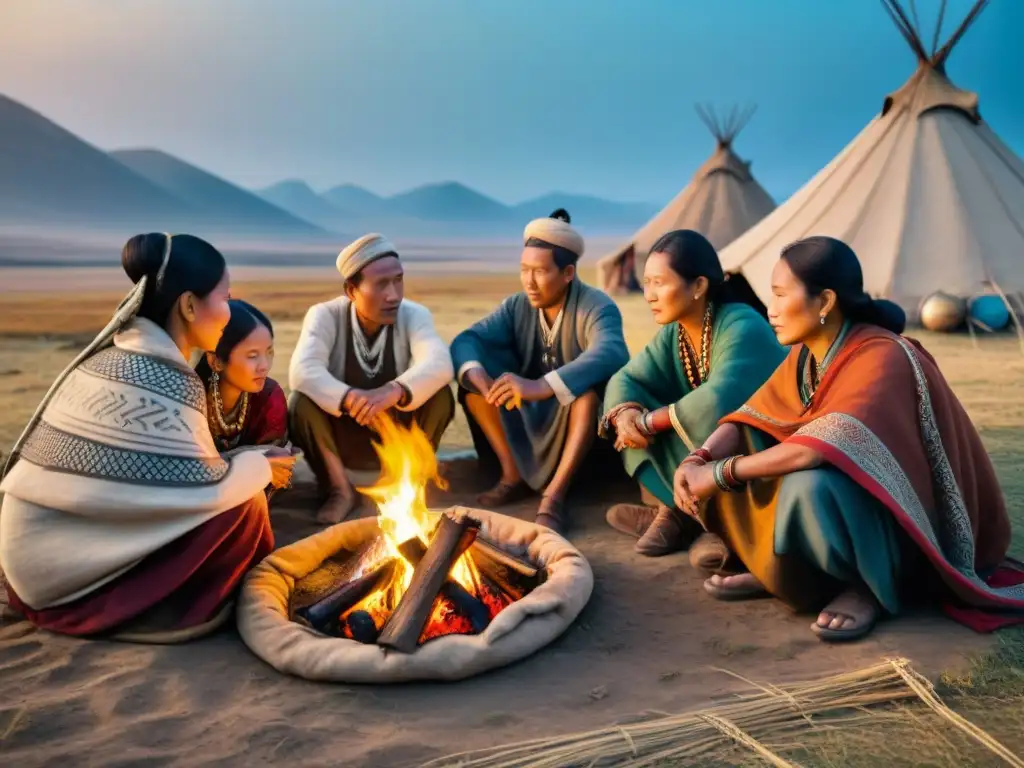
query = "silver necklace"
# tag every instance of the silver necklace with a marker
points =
(548, 334)
(370, 357)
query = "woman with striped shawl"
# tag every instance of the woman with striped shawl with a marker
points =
(120, 516)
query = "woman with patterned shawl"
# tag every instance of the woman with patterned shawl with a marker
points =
(712, 353)
(120, 516)
(853, 480)
(246, 407)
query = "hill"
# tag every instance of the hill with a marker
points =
(222, 205)
(298, 198)
(449, 202)
(50, 176)
(354, 199)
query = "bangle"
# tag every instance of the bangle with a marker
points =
(698, 456)
(723, 475)
(608, 422)
(643, 424)
(727, 472)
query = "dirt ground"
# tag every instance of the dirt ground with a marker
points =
(648, 640)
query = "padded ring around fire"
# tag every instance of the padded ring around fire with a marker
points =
(520, 630)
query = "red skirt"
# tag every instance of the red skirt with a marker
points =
(190, 579)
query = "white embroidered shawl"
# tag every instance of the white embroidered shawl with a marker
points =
(119, 463)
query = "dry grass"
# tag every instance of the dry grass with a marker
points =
(40, 334)
(782, 726)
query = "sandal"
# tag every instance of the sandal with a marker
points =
(853, 604)
(551, 514)
(728, 593)
(503, 493)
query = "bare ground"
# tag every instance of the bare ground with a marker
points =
(648, 640)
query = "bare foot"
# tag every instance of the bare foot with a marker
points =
(738, 581)
(337, 506)
(741, 586)
(851, 615)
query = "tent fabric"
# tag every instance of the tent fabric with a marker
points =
(518, 631)
(721, 202)
(927, 195)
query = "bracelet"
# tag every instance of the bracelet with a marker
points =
(607, 424)
(723, 475)
(699, 456)
(643, 424)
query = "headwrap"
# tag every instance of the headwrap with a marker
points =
(124, 314)
(555, 230)
(358, 255)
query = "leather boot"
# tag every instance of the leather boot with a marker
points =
(671, 531)
(631, 519)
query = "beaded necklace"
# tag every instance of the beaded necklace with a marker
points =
(220, 426)
(369, 356)
(697, 366)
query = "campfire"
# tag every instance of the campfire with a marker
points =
(425, 575)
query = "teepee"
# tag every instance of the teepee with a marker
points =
(927, 195)
(721, 202)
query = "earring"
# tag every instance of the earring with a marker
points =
(823, 319)
(214, 379)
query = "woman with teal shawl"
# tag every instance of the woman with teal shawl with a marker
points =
(713, 352)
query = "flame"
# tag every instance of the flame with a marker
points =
(408, 464)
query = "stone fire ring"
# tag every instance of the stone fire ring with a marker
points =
(519, 630)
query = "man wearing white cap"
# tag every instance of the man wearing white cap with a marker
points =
(362, 354)
(532, 373)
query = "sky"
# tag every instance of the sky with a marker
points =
(516, 98)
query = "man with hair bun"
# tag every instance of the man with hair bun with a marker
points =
(366, 353)
(532, 373)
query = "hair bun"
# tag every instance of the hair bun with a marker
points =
(562, 215)
(142, 255)
(888, 315)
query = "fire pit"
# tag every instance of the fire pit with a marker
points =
(412, 594)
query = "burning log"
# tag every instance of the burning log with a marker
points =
(405, 625)
(513, 576)
(361, 627)
(323, 614)
(465, 604)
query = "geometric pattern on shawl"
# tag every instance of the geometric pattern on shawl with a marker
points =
(119, 417)
(148, 373)
(60, 451)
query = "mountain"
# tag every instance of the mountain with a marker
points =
(354, 199)
(222, 205)
(298, 198)
(50, 176)
(449, 201)
(591, 213)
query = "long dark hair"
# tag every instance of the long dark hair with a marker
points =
(193, 265)
(821, 263)
(690, 256)
(245, 319)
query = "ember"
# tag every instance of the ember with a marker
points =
(426, 575)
